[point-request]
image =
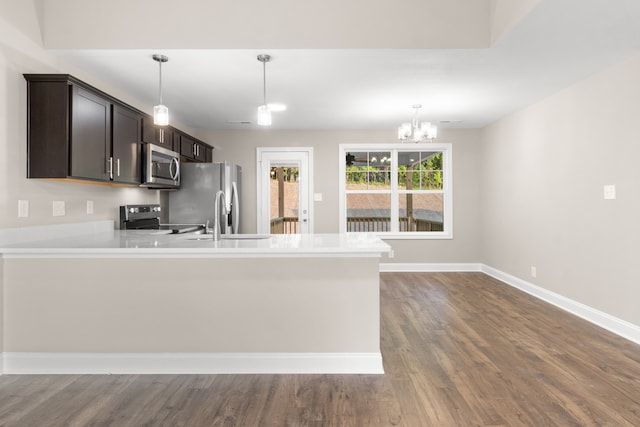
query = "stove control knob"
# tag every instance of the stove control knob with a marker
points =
(133, 210)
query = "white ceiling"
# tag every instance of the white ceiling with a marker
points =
(556, 45)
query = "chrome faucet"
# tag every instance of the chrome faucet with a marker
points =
(216, 215)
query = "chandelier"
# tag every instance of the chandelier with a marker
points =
(416, 131)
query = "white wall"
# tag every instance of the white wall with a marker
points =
(240, 147)
(21, 52)
(543, 171)
(280, 24)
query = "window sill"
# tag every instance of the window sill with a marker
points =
(413, 236)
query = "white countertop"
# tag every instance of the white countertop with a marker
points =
(99, 239)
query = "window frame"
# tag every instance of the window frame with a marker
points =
(395, 191)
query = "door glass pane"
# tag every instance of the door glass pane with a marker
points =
(284, 200)
(421, 212)
(420, 170)
(368, 212)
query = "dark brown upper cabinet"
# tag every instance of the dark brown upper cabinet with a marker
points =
(192, 149)
(75, 131)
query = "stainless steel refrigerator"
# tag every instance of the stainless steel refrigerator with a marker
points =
(194, 202)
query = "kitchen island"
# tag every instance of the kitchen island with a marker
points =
(110, 301)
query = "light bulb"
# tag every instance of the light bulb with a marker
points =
(160, 115)
(264, 115)
(432, 132)
(404, 131)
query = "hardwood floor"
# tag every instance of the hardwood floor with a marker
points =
(459, 349)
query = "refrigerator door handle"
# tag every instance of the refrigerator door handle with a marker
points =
(235, 206)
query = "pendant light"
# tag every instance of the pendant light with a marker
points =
(160, 111)
(264, 112)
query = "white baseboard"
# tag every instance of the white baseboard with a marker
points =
(398, 267)
(192, 363)
(613, 324)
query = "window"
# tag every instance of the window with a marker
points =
(397, 190)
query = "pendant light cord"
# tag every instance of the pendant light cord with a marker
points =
(264, 82)
(160, 85)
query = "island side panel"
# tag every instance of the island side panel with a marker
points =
(1, 315)
(145, 305)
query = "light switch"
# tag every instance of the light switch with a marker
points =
(317, 197)
(58, 208)
(23, 208)
(89, 207)
(609, 192)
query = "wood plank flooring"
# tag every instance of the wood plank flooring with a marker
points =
(459, 349)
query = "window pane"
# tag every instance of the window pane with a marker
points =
(407, 159)
(421, 212)
(368, 170)
(368, 212)
(421, 170)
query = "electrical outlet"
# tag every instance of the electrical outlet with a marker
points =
(23, 208)
(89, 207)
(58, 208)
(534, 272)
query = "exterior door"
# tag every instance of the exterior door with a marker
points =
(284, 168)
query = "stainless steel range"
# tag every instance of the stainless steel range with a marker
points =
(147, 217)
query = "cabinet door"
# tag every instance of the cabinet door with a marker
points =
(176, 142)
(187, 147)
(90, 135)
(201, 152)
(208, 154)
(166, 137)
(127, 136)
(149, 131)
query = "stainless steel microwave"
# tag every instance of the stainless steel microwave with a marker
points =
(160, 168)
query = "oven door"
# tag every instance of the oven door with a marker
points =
(161, 167)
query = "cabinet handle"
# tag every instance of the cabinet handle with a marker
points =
(110, 167)
(161, 136)
(118, 167)
(193, 149)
